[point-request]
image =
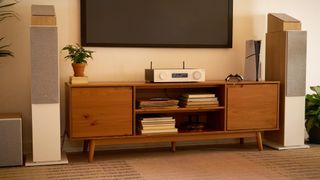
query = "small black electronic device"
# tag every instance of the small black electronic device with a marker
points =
(235, 77)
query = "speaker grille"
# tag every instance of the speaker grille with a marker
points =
(296, 63)
(44, 65)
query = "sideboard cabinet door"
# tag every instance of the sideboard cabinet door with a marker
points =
(100, 112)
(251, 107)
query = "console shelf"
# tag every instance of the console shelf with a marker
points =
(200, 134)
(108, 112)
(178, 110)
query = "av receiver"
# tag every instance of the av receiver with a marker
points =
(175, 75)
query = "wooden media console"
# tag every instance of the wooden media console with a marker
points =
(110, 113)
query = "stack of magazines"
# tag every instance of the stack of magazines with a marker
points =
(198, 100)
(158, 103)
(157, 125)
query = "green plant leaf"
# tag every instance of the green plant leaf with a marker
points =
(309, 124)
(312, 108)
(77, 54)
(316, 89)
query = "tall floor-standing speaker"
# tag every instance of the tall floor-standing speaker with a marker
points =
(45, 97)
(286, 62)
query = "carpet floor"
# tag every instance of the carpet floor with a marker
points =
(227, 162)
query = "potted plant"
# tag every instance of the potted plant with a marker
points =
(78, 55)
(312, 115)
(4, 14)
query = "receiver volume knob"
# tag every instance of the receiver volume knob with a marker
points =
(163, 76)
(197, 75)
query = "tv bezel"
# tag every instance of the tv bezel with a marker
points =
(90, 44)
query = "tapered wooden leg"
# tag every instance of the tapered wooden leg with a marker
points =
(241, 140)
(259, 141)
(91, 150)
(85, 146)
(173, 146)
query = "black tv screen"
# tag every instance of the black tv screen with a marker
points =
(157, 23)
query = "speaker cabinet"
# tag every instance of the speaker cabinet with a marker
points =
(45, 94)
(282, 22)
(286, 62)
(11, 140)
(45, 97)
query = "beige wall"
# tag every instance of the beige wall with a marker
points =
(128, 64)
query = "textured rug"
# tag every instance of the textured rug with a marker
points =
(100, 170)
(188, 163)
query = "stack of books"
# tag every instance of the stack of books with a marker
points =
(79, 80)
(198, 100)
(158, 103)
(158, 125)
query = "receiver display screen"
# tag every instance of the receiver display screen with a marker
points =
(179, 75)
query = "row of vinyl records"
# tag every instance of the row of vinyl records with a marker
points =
(186, 100)
(150, 125)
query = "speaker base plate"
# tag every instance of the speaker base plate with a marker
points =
(29, 162)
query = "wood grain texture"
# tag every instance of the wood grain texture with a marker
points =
(92, 145)
(173, 137)
(43, 20)
(259, 141)
(10, 115)
(276, 49)
(252, 107)
(105, 111)
(282, 22)
(144, 85)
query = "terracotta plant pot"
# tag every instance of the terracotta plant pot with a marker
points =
(78, 69)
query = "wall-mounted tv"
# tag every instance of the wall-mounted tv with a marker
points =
(157, 23)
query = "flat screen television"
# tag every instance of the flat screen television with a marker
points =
(157, 23)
